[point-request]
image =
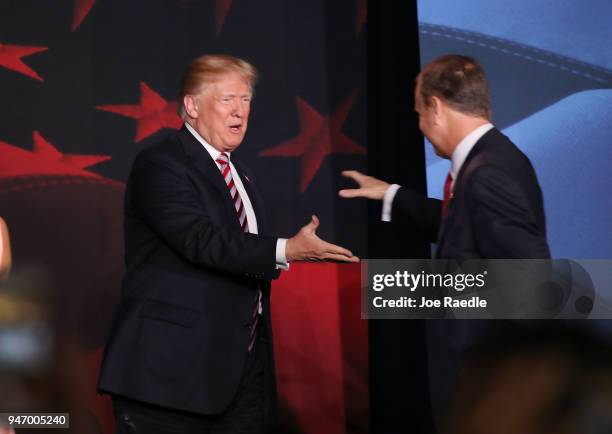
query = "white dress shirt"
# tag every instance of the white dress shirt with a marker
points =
(457, 159)
(281, 258)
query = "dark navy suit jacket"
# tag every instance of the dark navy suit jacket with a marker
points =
(180, 334)
(496, 212)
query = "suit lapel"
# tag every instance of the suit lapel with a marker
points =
(207, 167)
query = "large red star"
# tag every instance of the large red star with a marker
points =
(81, 10)
(222, 7)
(153, 113)
(45, 159)
(10, 58)
(319, 137)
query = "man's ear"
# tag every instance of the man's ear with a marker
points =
(436, 108)
(190, 102)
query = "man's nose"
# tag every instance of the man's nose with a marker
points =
(237, 109)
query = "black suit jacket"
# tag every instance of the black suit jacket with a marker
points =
(496, 212)
(180, 334)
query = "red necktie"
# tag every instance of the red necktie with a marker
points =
(254, 321)
(223, 161)
(447, 193)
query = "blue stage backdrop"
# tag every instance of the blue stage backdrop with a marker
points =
(550, 71)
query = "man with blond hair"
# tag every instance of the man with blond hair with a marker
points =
(190, 348)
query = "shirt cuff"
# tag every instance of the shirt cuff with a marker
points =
(281, 259)
(388, 202)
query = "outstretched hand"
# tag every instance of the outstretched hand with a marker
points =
(307, 246)
(369, 187)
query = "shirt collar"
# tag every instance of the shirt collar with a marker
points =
(465, 146)
(214, 153)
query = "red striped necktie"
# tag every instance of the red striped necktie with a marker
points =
(254, 321)
(223, 162)
(447, 193)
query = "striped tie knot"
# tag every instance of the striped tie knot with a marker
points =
(223, 159)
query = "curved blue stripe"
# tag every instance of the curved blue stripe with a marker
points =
(580, 30)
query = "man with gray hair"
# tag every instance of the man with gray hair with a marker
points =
(492, 207)
(190, 348)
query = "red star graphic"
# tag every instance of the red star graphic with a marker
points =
(81, 10)
(319, 137)
(362, 15)
(153, 113)
(45, 159)
(10, 58)
(222, 7)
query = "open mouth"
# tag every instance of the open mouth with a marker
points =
(235, 128)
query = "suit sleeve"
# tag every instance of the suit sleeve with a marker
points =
(505, 222)
(169, 204)
(410, 207)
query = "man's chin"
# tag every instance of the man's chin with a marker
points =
(233, 144)
(439, 153)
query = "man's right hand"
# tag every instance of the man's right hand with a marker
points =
(369, 187)
(307, 246)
